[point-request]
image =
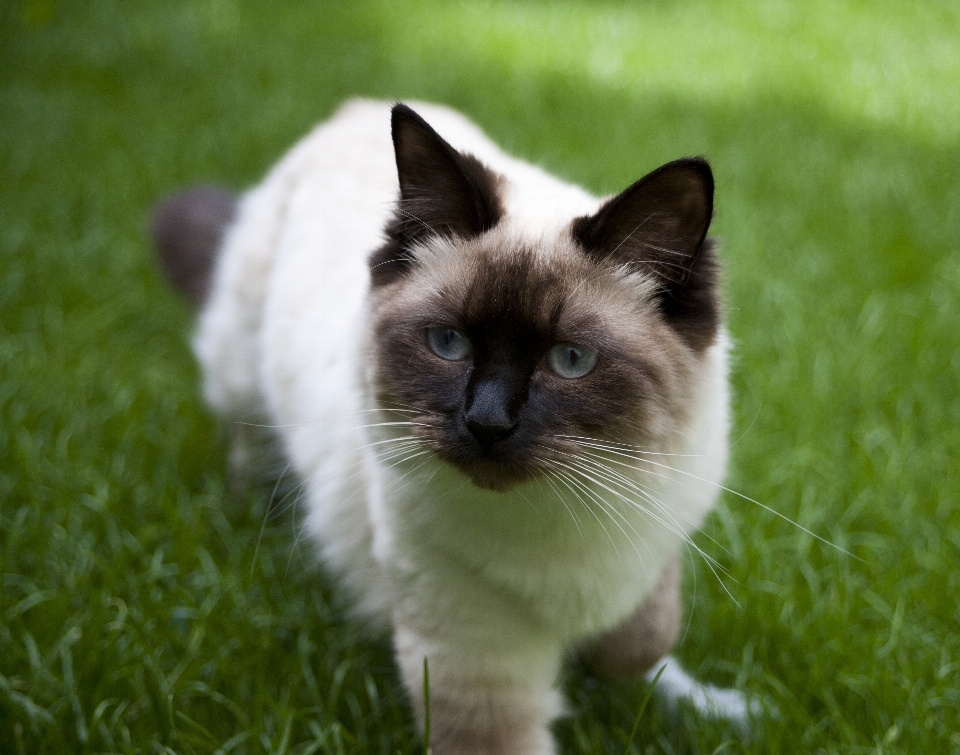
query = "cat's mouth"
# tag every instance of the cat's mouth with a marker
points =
(492, 463)
(499, 468)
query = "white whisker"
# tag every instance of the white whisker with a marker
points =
(732, 492)
(569, 480)
(263, 523)
(608, 508)
(674, 527)
(559, 494)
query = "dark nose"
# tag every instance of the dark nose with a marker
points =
(488, 434)
(487, 418)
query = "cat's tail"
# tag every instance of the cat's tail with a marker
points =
(187, 231)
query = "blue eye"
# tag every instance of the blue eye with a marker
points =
(571, 360)
(449, 343)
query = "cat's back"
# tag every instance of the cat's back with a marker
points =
(294, 259)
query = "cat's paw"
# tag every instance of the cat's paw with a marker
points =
(675, 685)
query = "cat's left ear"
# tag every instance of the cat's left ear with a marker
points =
(659, 224)
(443, 192)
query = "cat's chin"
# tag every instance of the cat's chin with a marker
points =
(498, 478)
(491, 483)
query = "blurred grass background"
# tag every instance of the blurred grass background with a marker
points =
(134, 615)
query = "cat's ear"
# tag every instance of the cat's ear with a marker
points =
(659, 224)
(443, 192)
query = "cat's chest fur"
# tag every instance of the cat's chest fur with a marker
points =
(506, 399)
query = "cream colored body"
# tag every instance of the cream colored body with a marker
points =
(491, 587)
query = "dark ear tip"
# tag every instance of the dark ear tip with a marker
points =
(403, 115)
(696, 165)
(400, 109)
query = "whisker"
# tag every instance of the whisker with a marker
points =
(606, 507)
(263, 524)
(559, 494)
(709, 560)
(647, 493)
(402, 445)
(673, 525)
(747, 498)
(569, 480)
(618, 446)
(626, 482)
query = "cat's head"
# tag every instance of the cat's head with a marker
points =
(512, 351)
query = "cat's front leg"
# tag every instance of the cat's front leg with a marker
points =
(482, 701)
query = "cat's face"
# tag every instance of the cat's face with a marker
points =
(510, 356)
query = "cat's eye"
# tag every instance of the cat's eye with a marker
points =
(571, 360)
(448, 342)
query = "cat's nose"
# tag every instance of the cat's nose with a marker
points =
(487, 418)
(486, 432)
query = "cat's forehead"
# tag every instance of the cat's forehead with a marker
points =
(511, 282)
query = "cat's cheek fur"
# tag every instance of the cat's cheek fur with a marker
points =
(491, 587)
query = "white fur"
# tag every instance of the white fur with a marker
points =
(675, 686)
(491, 587)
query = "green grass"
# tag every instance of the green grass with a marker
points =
(134, 613)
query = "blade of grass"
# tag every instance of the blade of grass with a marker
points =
(426, 706)
(643, 706)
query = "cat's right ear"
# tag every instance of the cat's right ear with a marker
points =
(443, 192)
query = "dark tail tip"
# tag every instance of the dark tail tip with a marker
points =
(187, 231)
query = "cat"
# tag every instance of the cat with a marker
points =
(506, 398)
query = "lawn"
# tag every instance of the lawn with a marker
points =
(145, 608)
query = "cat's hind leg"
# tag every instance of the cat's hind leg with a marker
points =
(641, 645)
(635, 645)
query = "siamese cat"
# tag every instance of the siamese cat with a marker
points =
(506, 398)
